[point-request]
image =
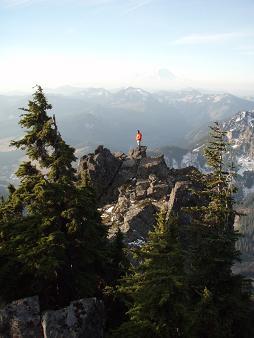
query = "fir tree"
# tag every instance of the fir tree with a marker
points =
(50, 231)
(155, 289)
(219, 301)
(117, 266)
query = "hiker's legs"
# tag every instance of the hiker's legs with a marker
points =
(138, 143)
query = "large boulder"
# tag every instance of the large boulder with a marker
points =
(138, 221)
(180, 198)
(153, 166)
(81, 319)
(21, 319)
(137, 153)
(101, 168)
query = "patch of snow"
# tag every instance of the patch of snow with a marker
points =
(245, 164)
(217, 98)
(250, 121)
(109, 210)
(174, 164)
(187, 160)
(167, 160)
(196, 150)
(138, 242)
(240, 116)
(247, 191)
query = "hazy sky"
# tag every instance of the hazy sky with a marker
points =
(111, 43)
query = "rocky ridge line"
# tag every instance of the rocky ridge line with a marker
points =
(132, 189)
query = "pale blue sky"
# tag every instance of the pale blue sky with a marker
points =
(111, 43)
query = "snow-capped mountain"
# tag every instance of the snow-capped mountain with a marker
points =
(240, 134)
(88, 117)
(194, 96)
(133, 94)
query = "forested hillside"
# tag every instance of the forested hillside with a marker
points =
(155, 245)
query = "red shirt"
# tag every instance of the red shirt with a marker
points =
(139, 136)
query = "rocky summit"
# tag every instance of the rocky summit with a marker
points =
(132, 188)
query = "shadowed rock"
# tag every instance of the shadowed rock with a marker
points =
(21, 319)
(137, 153)
(133, 188)
(81, 319)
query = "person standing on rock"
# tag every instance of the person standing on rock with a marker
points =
(138, 138)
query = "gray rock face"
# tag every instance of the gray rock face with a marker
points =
(101, 167)
(153, 166)
(180, 197)
(136, 188)
(109, 172)
(81, 319)
(21, 319)
(137, 153)
(138, 221)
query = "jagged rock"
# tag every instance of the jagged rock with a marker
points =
(153, 166)
(120, 155)
(135, 187)
(137, 153)
(21, 319)
(152, 178)
(101, 167)
(141, 189)
(81, 319)
(180, 194)
(158, 191)
(138, 221)
(180, 197)
(183, 197)
(129, 163)
(108, 172)
(183, 174)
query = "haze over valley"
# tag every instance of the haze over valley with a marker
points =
(92, 116)
(126, 168)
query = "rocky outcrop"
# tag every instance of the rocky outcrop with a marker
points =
(81, 319)
(136, 187)
(137, 153)
(21, 319)
(102, 168)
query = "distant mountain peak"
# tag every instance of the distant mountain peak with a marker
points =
(241, 121)
(134, 90)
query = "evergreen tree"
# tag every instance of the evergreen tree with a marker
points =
(155, 289)
(220, 302)
(117, 266)
(52, 242)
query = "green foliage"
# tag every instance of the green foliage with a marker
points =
(191, 292)
(117, 266)
(219, 299)
(52, 242)
(155, 288)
